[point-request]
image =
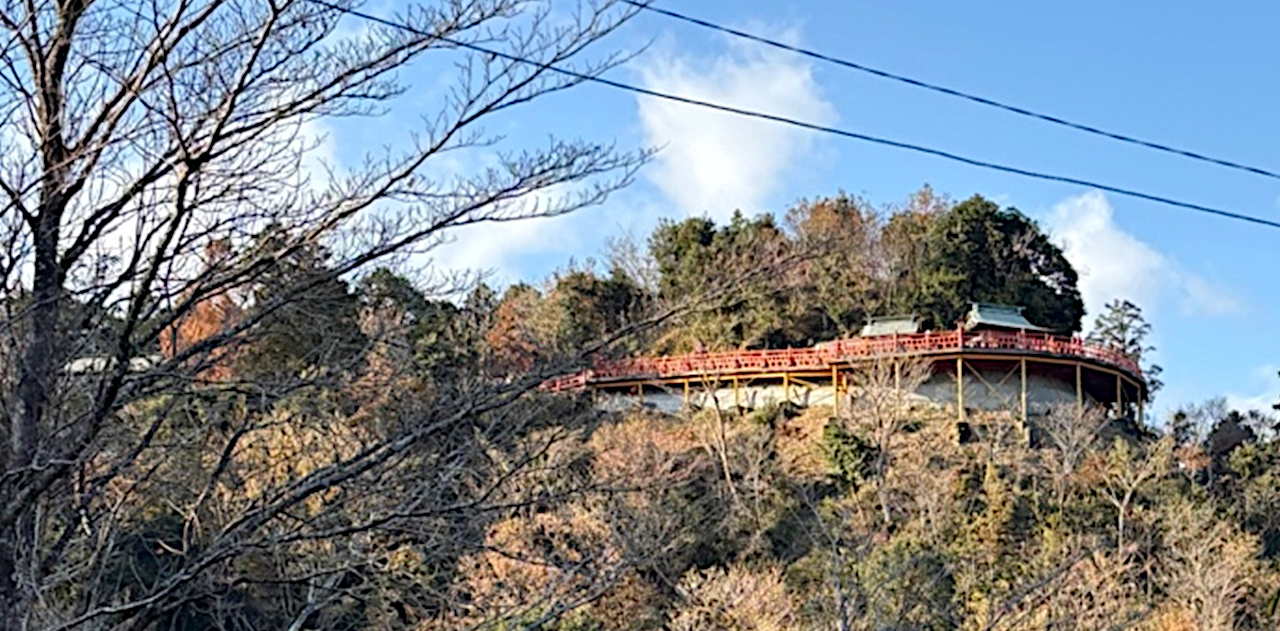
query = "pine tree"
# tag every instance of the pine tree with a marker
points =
(1122, 326)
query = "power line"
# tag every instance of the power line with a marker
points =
(810, 126)
(956, 93)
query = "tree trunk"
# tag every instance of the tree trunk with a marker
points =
(37, 375)
(40, 359)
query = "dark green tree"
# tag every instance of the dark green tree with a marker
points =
(443, 339)
(738, 269)
(1122, 326)
(308, 316)
(979, 252)
(589, 307)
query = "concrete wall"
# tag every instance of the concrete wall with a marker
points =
(1002, 391)
(1043, 392)
(749, 397)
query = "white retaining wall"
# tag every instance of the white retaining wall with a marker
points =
(1043, 394)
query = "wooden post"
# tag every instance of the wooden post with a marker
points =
(1023, 362)
(640, 394)
(835, 390)
(897, 376)
(686, 394)
(1026, 423)
(1119, 398)
(960, 388)
(786, 385)
(1079, 394)
(737, 401)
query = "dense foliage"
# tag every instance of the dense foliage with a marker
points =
(499, 506)
(817, 274)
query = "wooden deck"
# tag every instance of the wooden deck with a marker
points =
(823, 357)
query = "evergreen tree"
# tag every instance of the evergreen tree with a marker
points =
(1122, 326)
(737, 269)
(979, 252)
(309, 316)
(445, 341)
(585, 308)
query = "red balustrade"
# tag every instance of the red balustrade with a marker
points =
(822, 356)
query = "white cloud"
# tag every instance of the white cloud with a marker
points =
(1115, 264)
(1265, 391)
(316, 138)
(715, 162)
(499, 247)
(524, 249)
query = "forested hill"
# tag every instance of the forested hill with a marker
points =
(813, 274)
(321, 450)
(777, 518)
(238, 394)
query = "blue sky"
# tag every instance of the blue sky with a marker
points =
(1187, 74)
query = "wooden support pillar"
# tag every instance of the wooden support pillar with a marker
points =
(960, 389)
(686, 394)
(1023, 366)
(737, 401)
(1141, 418)
(1026, 423)
(1119, 398)
(835, 390)
(786, 387)
(897, 375)
(640, 394)
(1079, 393)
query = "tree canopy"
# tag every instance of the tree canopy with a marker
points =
(834, 262)
(1122, 327)
(978, 252)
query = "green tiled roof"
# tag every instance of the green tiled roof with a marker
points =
(889, 325)
(991, 316)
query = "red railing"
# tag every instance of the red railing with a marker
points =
(822, 356)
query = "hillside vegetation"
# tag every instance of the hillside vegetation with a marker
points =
(376, 456)
(784, 520)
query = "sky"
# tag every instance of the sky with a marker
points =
(1187, 74)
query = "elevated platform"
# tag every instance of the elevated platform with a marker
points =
(1069, 367)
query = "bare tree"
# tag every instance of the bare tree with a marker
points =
(1210, 566)
(880, 406)
(735, 599)
(1128, 471)
(133, 135)
(1072, 436)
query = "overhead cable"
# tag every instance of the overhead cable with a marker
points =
(1049, 118)
(810, 126)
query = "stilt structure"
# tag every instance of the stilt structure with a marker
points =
(995, 345)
